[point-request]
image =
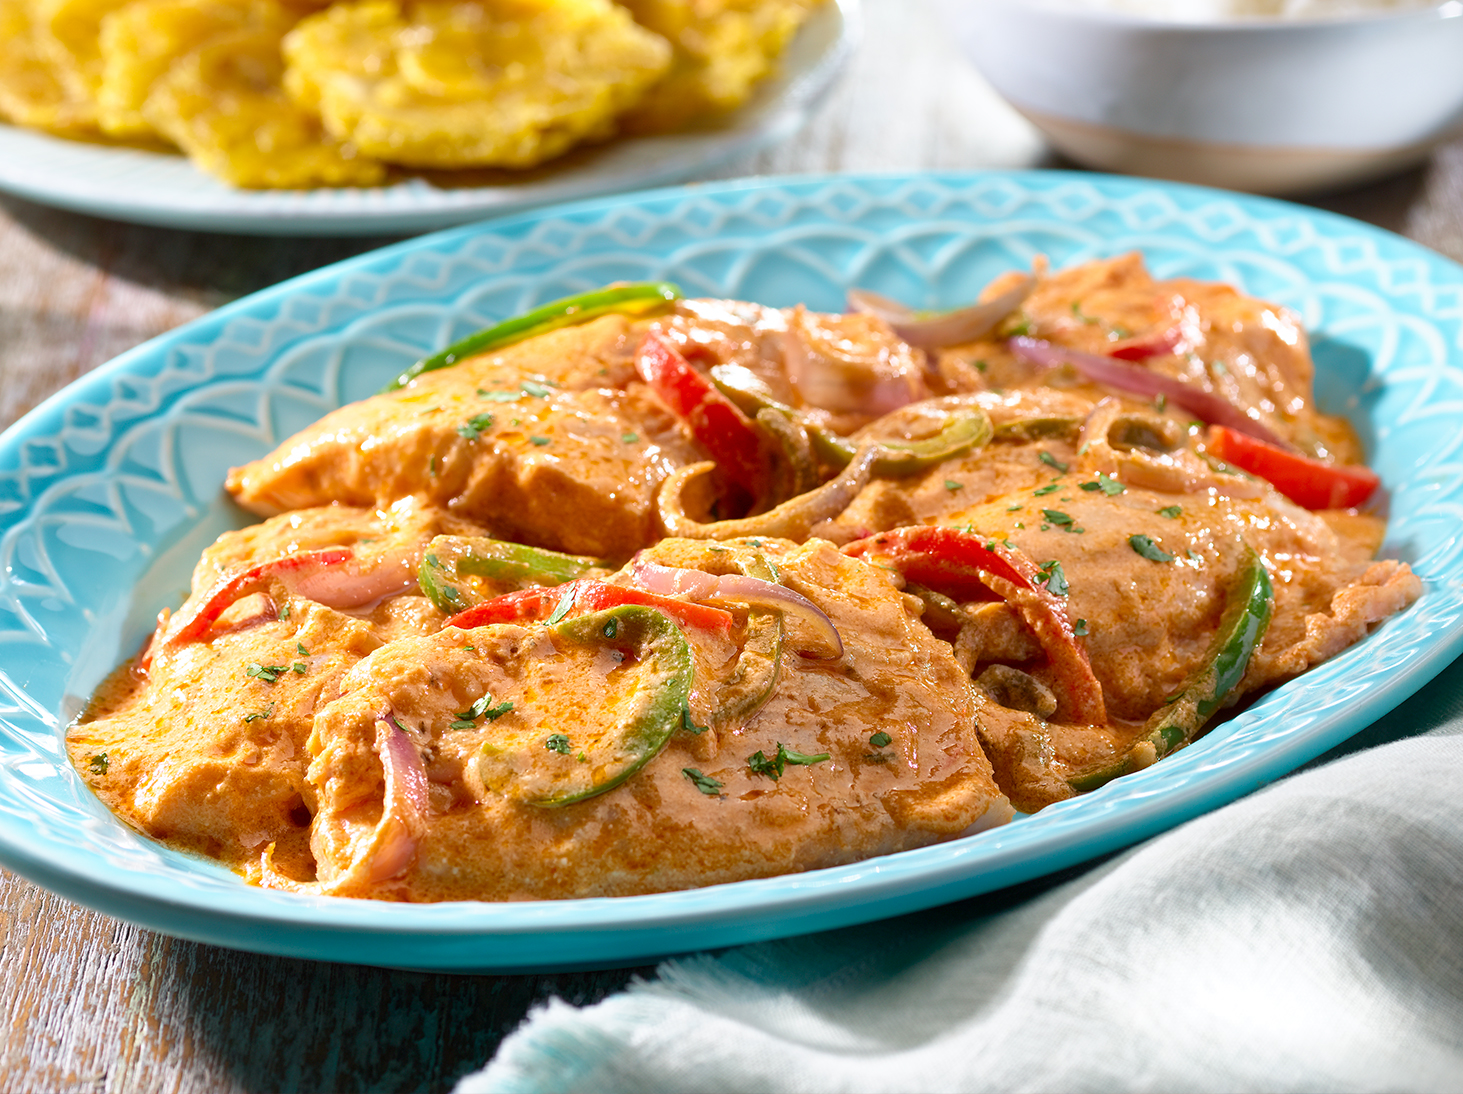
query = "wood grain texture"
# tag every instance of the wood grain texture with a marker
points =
(92, 1004)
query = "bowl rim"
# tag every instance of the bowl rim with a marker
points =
(1438, 11)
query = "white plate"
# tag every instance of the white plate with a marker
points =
(167, 190)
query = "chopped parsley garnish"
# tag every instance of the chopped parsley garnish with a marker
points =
(952, 486)
(1195, 556)
(1160, 403)
(611, 628)
(1170, 511)
(1049, 488)
(880, 739)
(1014, 508)
(501, 396)
(1053, 577)
(629, 438)
(565, 603)
(432, 467)
(1148, 549)
(1056, 516)
(704, 783)
(482, 708)
(557, 742)
(268, 673)
(301, 650)
(1109, 486)
(538, 391)
(1080, 628)
(284, 611)
(980, 366)
(98, 764)
(1077, 311)
(688, 723)
(1019, 329)
(300, 667)
(474, 426)
(1051, 461)
(772, 767)
(1085, 446)
(260, 715)
(540, 441)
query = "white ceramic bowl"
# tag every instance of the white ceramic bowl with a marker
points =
(1273, 106)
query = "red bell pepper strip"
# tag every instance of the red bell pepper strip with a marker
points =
(1307, 482)
(195, 622)
(963, 564)
(532, 605)
(714, 420)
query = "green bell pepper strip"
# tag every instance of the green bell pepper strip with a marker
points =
(1034, 429)
(624, 731)
(1247, 613)
(449, 559)
(634, 299)
(746, 691)
(965, 429)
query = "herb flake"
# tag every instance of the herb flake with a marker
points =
(474, 426)
(880, 739)
(559, 743)
(1054, 577)
(1109, 486)
(98, 763)
(1051, 461)
(1170, 511)
(565, 603)
(268, 673)
(688, 723)
(772, 766)
(1145, 546)
(704, 783)
(540, 441)
(482, 708)
(1080, 628)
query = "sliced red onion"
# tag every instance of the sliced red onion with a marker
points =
(1207, 406)
(1159, 345)
(291, 569)
(951, 328)
(406, 801)
(355, 586)
(793, 519)
(673, 580)
(739, 589)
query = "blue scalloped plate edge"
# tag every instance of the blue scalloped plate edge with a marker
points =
(626, 930)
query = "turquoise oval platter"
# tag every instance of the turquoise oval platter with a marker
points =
(110, 489)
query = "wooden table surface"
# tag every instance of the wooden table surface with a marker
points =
(91, 1003)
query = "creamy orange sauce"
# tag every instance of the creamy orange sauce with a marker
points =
(369, 749)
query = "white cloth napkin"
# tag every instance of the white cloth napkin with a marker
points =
(1309, 937)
